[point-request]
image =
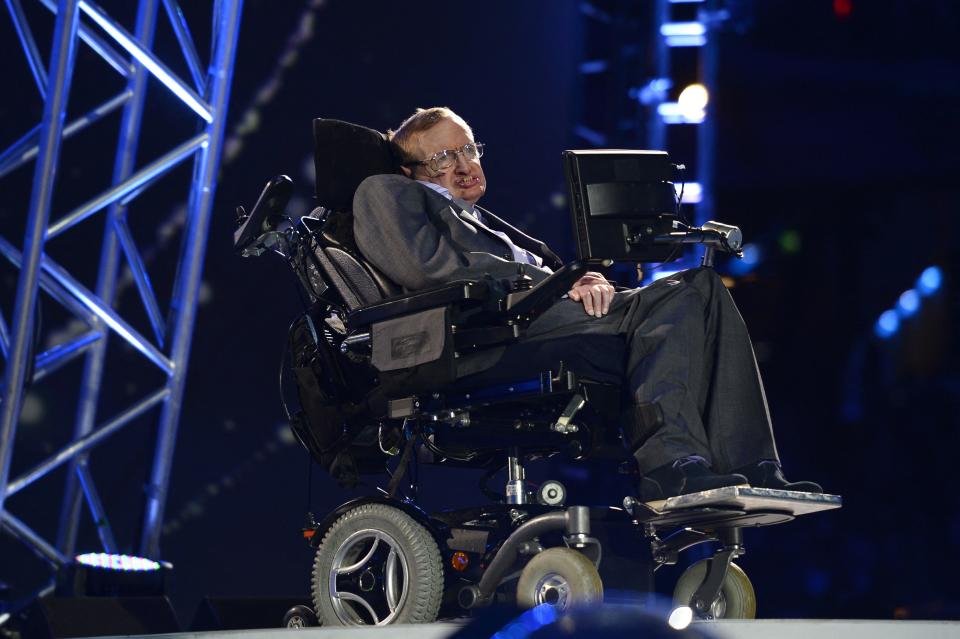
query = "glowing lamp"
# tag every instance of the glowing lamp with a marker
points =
(111, 575)
(693, 102)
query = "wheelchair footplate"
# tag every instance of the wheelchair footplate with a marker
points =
(731, 506)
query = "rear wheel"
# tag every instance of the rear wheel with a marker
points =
(560, 577)
(376, 566)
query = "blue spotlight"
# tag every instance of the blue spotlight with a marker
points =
(929, 281)
(908, 303)
(887, 325)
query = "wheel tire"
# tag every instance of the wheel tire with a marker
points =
(561, 577)
(358, 540)
(300, 617)
(737, 599)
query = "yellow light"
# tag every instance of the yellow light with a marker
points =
(693, 101)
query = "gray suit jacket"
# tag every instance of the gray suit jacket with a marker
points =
(418, 238)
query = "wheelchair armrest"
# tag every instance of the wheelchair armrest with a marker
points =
(462, 290)
(536, 299)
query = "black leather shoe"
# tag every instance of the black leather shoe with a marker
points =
(768, 474)
(681, 477)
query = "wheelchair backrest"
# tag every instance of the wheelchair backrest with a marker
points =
(345, 154)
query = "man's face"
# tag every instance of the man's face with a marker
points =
(465, 179)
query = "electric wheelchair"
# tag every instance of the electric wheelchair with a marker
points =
(384, 375)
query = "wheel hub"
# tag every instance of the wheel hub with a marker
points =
(368, 579)
(553, 590)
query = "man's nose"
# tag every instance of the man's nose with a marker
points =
(463, 165)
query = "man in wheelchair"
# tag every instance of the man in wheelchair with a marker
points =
(699, 417)
(437, 332)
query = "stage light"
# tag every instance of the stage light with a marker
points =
(693, 102)
(111, 575)
(669, 29)
(887, 324)
(929, 281)
(680, 617)
(117, 562)
(908, 303)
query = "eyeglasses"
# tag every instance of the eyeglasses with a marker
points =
(443, 160)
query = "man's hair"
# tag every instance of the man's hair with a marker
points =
(404, 139)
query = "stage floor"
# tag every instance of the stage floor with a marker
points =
(724, 629)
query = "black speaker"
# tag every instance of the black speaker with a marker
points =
(55, 617)
(243, 613)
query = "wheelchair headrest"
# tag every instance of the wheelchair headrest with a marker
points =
(345, 155)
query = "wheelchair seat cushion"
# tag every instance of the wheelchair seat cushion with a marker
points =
(345, 155)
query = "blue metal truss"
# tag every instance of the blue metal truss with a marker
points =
(207, 95)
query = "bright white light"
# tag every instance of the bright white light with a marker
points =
(134, 49)
(680, 617)
(668, 29)
(693, 102)
(692, 192)
(117, 562)
(908, 303)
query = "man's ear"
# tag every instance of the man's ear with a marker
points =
(406, 171)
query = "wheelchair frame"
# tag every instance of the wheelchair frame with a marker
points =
(481, 548)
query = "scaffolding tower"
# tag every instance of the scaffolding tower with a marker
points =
(206, 93)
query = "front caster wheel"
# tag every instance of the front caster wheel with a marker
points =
(559, 577)
(377, 566)
(300, 617)
(736, 600)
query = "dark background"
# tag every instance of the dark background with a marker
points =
(837, 127)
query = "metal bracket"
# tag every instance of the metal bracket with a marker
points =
(563, 425)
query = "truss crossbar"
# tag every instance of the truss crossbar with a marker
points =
(86, 443)
(96, 507)
(141, 278)
(61, 354)
(25, 534)
(182, 31)
(148, 60)
(49, 284)
(119, 63)
(25, 149)
(135, 182)
(107, 314)
(29, 46)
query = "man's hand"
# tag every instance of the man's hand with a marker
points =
(595, 292)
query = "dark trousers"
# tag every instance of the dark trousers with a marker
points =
(683, 349)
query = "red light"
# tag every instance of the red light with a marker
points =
(843, 9)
